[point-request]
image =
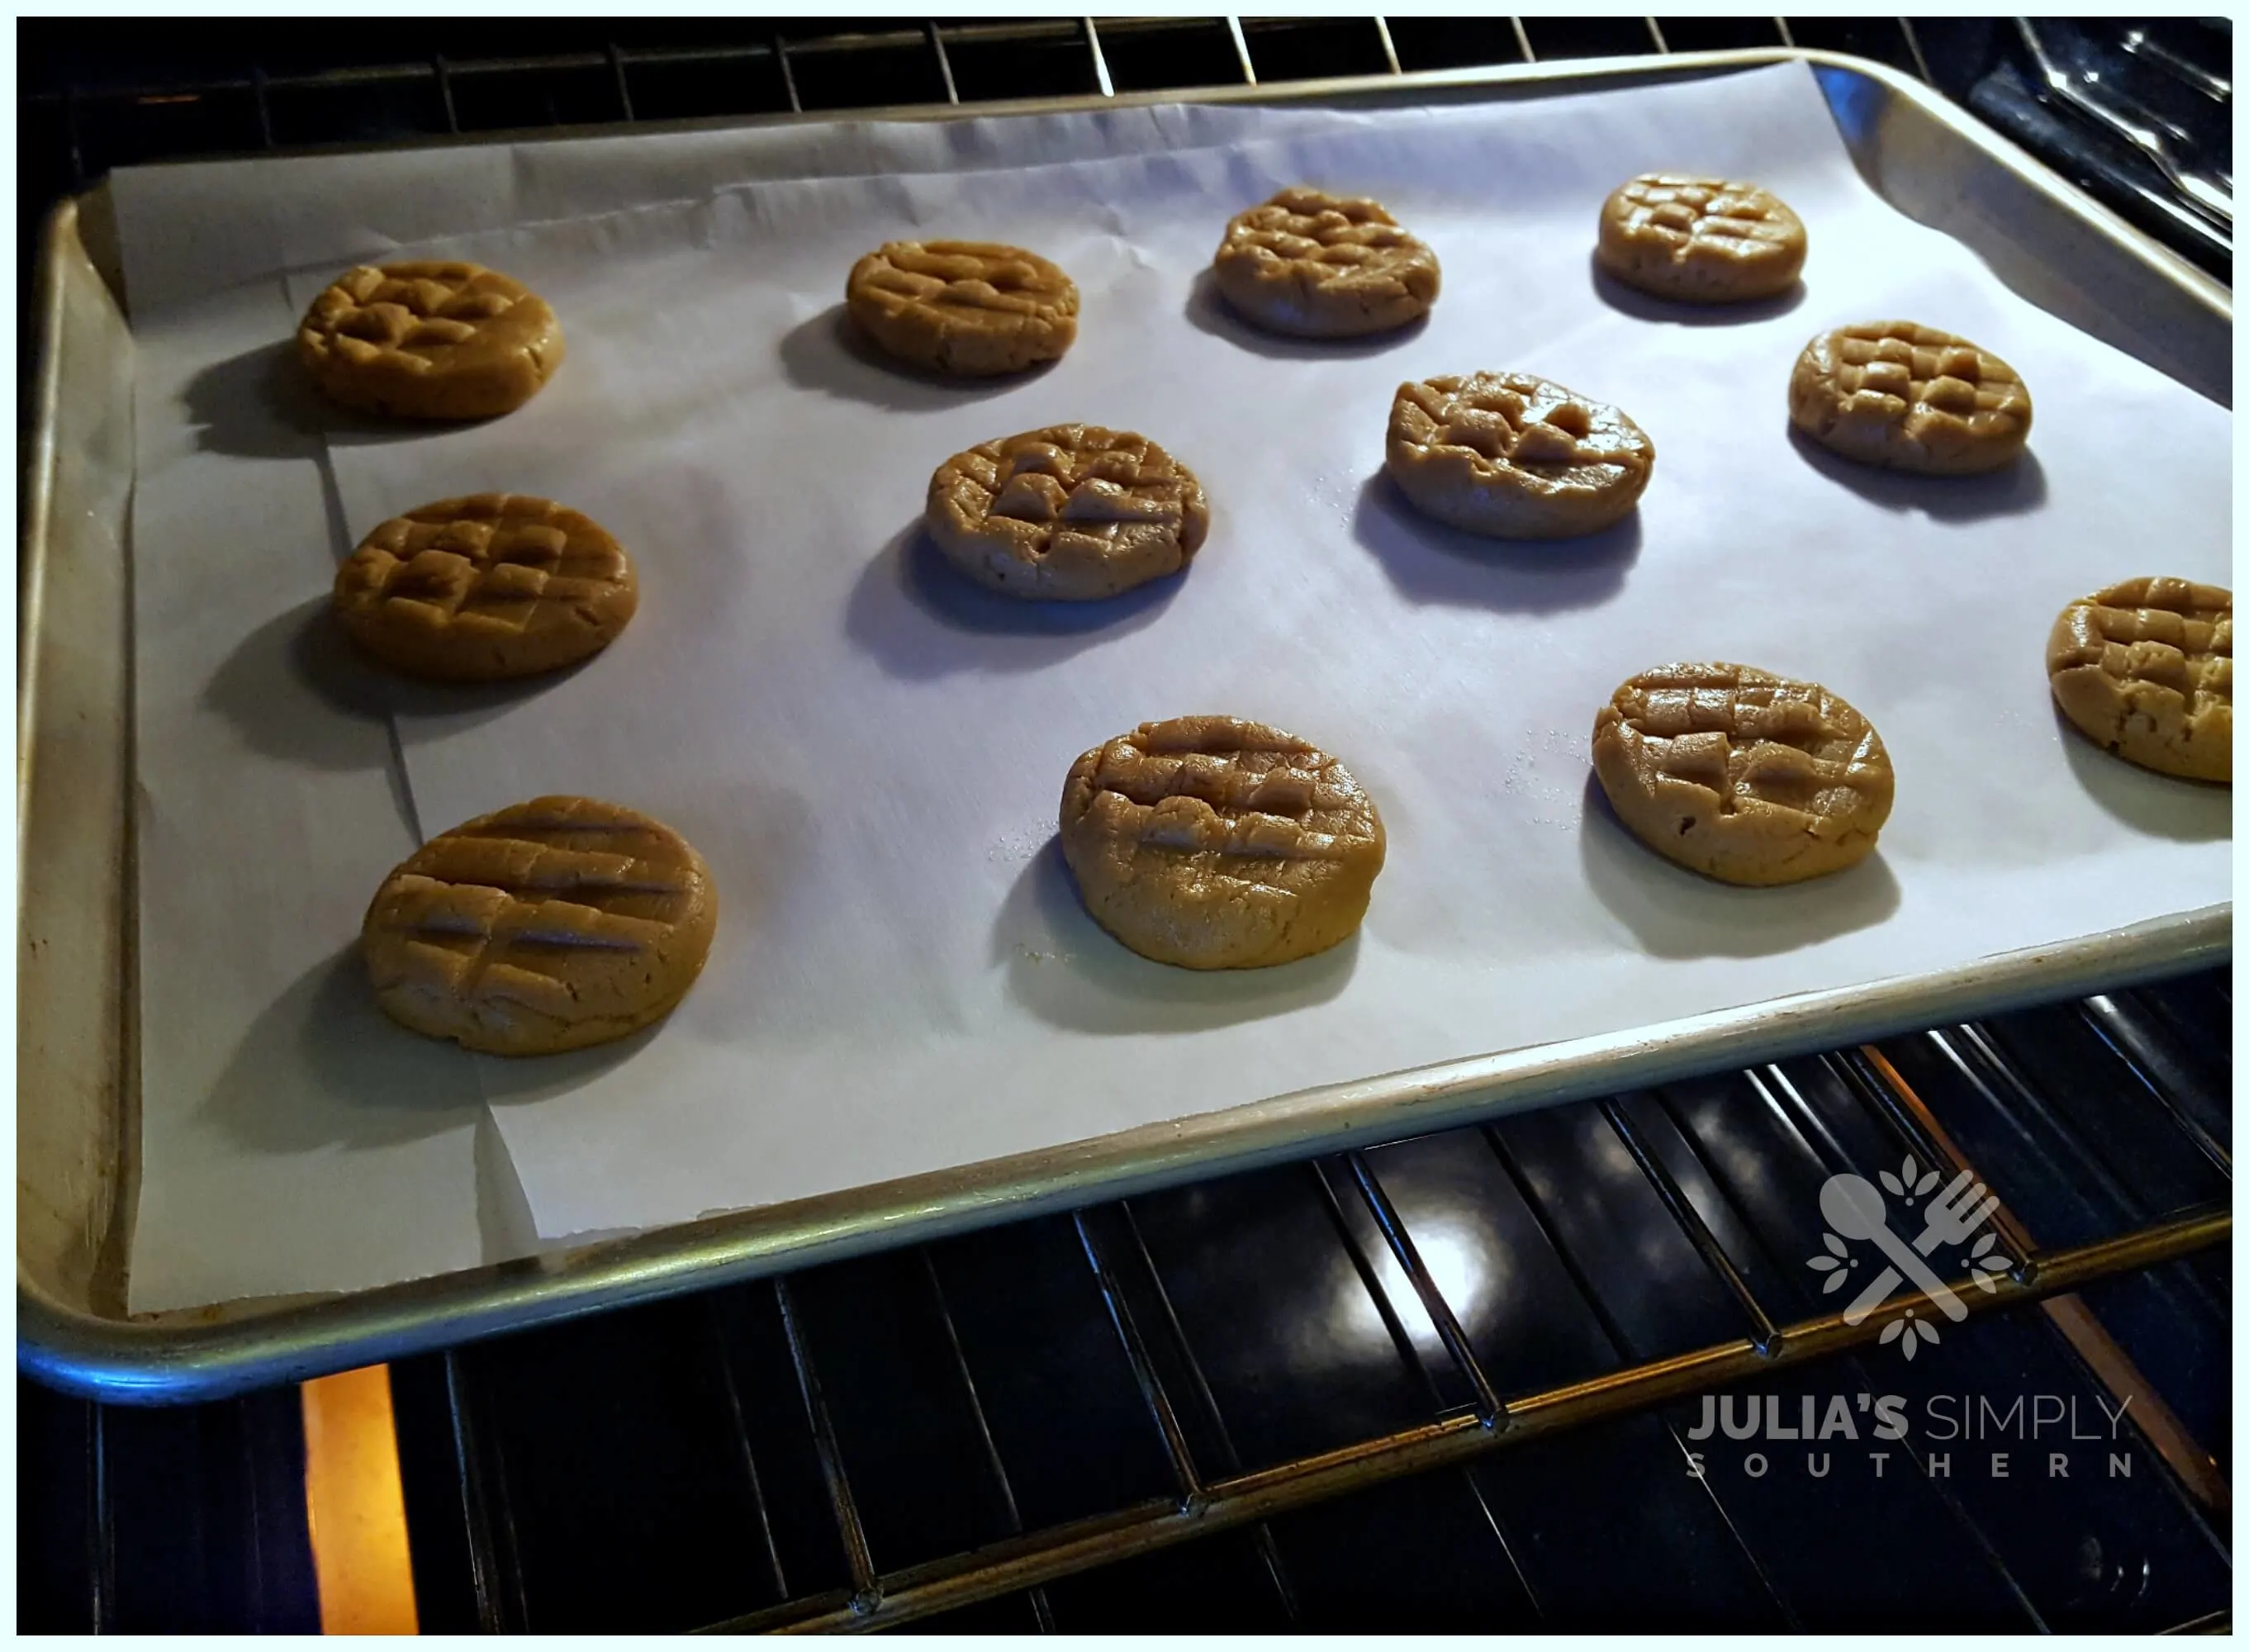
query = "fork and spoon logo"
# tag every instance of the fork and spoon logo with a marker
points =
(1854, 1209)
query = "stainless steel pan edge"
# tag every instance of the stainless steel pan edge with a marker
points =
(174, 1360)
(69, 1333)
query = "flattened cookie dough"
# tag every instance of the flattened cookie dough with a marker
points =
(1700, 240)
(1515, 456)
(554, 925)
(492, 586)
(2145, 670)
(971, 309)
(1908, 396)
(1323, 266)
(1073, 512)
(1216, 843)
(1744, 776)
(429, 341)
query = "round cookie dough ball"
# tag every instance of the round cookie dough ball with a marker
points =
(429, 341)
(1323, 266)
(968, 309)
(493, 586)
(1216, 843)
(2144, 669)
(550, 926)
(1073, 511)
(1513, 456)
(1908, 396)
(1746, 777)
(1700, 240)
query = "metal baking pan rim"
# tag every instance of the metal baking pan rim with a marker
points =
(229, 1347)
(208, 1353)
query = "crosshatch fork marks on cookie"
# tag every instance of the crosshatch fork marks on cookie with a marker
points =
(493, 585)
(1236, 788)
(555, 924)
(1215, 843)
(2145, 668)
(1799, 748)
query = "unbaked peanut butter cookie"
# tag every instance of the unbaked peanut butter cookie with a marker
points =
(1515, 456)
(1744, 776)
(1700, 240)
(1216, 843)
(1073, 512)
(554, 925)
(492, 586)
(2145, 670)
(429, 341)
(970, 309)
(1908, 396)
(1325, 266)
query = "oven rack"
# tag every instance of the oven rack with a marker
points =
(1719, 1180)
(2121, 108)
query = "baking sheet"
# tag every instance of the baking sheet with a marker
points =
(869, 755)
(291, 1142)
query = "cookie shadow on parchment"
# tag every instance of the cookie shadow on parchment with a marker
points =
(2169, 806)
(1676, 913)
(1431, 562)
(1207, 311)
(827, 353)
(1645, 306)
(2011, 491)
(921, 618)
(1070, 972)
(516, 1080)
(260, 405)
(263, 686)
(372, 1083)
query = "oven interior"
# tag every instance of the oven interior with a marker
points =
(1453, 1382)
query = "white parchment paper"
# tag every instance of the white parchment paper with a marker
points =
(869, 753)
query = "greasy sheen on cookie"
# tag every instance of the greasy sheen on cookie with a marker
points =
(429, 341)
(492, 586)
(968, 309)
(1323, 266)
(1216, 843)
(550, 926)
(1741, 775)
(2144, 669)
(1908, 396)
(1073, 512)
(1513, 456)
(1700, 240)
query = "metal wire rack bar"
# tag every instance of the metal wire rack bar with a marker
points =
(2100, 1013)
(1176, 1450)
(937, 38)
(730, 1389)
(1682, 1210)
(1241, 1499)
(1490, 1407)
(992, 1459)
(476, 1502)
(866, 1589)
